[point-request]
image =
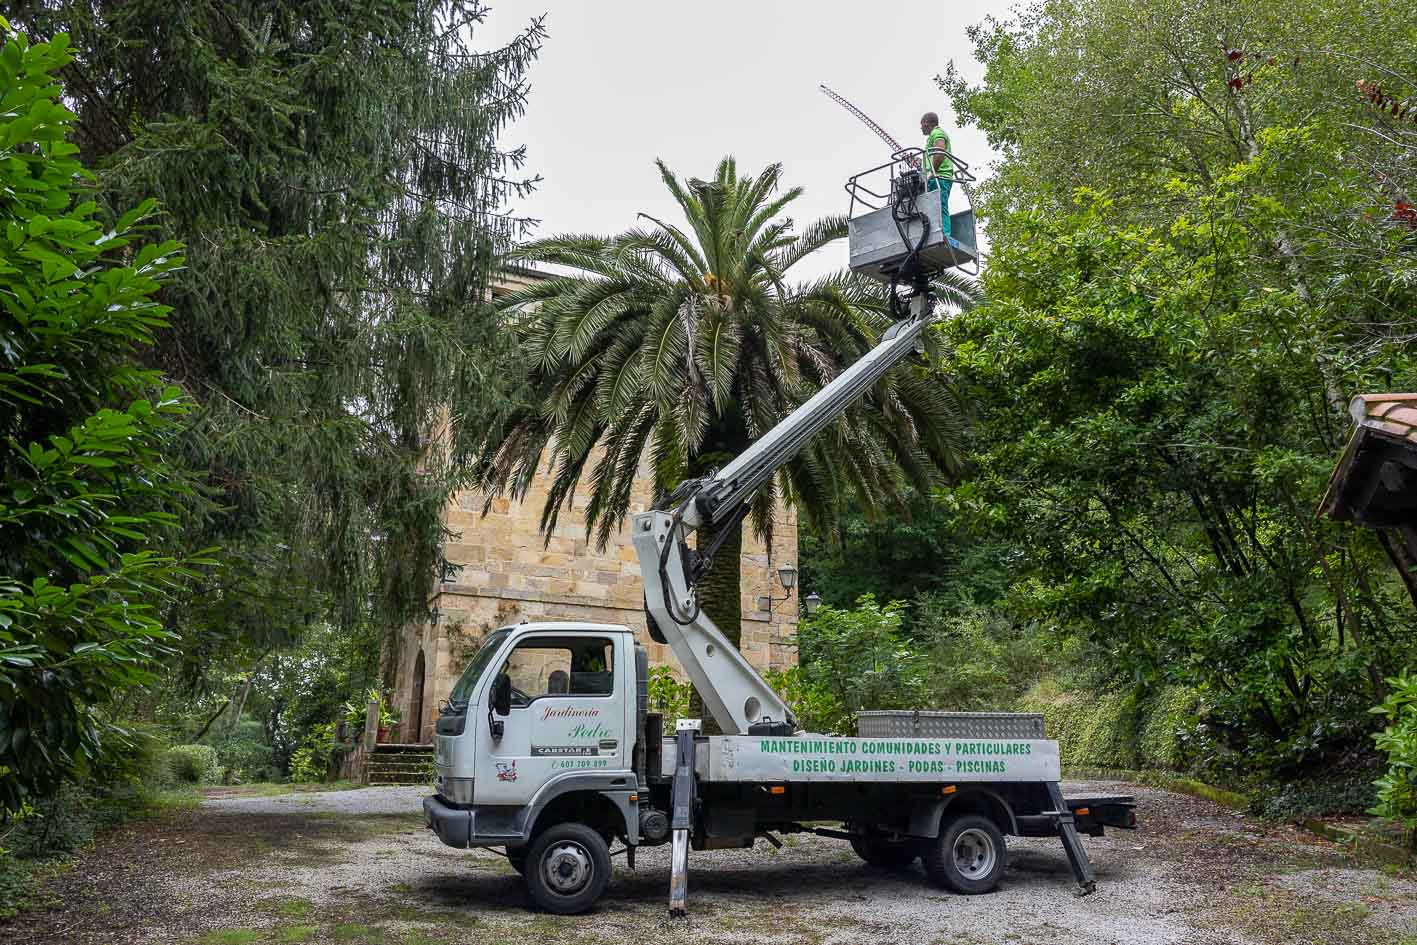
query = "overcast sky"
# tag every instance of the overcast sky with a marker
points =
(621, 82)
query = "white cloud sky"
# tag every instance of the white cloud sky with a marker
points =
(621, 83)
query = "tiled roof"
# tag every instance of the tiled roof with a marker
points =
(1391, 413)
(1378, 419)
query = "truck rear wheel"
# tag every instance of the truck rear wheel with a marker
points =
(885, 854)
(567, 869)
(969, 857)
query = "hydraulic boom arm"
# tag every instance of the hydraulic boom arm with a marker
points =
(732, 690)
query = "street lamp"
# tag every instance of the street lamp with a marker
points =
(813, 601)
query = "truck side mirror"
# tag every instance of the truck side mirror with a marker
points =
(500, 703)
(502, 694)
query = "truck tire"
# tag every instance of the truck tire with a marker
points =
(567, 869)
(969, 857)
(885, 854)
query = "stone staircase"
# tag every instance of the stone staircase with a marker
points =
(399, 764)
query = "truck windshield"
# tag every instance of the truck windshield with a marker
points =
(468, 680)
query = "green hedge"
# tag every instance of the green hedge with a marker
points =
(1110, 730)
(193, 764)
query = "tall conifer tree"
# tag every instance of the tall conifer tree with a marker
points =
(334, 169)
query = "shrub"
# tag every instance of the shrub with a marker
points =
(55, 826)
(857, 659)
(248, 756)
(89, 484)
(814, 706)
(194, 764)
(668, 696)
(1092, 730)
(1319, 797)
(1118, 730)
(1397, 788)
(1168, 728)
(980, 659)
(317, 754)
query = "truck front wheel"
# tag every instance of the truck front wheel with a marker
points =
(969, 857)
(567, 869)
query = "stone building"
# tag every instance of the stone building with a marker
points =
(510, 571)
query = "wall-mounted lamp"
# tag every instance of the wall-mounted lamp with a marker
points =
(813, 602)
(787, 577)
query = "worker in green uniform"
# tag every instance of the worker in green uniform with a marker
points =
(939, 169)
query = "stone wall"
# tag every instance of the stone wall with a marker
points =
(510, 572)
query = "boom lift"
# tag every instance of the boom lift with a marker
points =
(547, 775)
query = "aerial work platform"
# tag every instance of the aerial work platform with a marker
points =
(893, 216)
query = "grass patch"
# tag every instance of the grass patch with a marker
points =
(1277, 916)
(231, 937)
(294, 908)
(273, 788)
(186, 797)
(354, 932)
(295, 933)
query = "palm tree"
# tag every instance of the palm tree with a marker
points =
(690, 344)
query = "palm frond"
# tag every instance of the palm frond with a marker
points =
(682, 336)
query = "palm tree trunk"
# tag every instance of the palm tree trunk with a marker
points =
(721, 596)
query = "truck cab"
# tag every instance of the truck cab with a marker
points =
(538, 738)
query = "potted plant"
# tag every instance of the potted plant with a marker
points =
(357, 713)
(388, 716)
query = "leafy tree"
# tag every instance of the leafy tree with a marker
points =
(1136, 455)
(89, 485)
(683, 345)
(335, 173)
(926, 547)
(1192, 271)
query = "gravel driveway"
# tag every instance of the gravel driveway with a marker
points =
(358, 866)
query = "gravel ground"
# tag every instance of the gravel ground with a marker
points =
(358, 866)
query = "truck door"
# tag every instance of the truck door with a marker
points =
(568, 714)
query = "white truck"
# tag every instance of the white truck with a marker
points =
(546, 748)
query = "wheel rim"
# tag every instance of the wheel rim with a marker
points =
(567, 868)
(975, 853)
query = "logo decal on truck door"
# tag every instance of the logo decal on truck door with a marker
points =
(506, 771)
(565, 749)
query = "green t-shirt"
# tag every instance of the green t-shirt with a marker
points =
(938, 139)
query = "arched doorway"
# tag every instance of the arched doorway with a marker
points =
(415, 730)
